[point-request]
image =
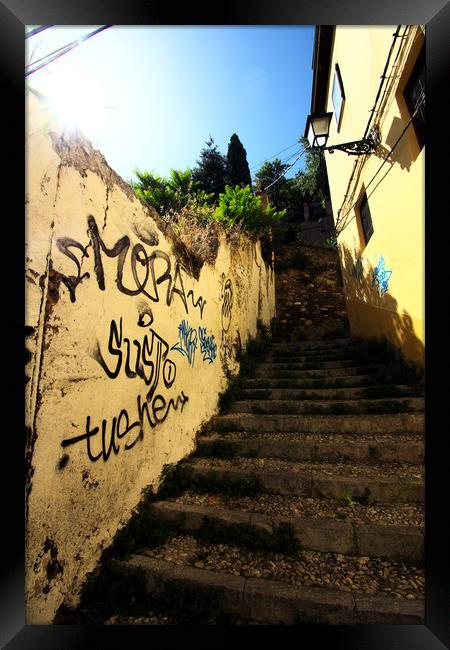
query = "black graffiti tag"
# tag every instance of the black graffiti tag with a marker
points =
(143, 359)
(149, 271)
(227, 305)
(154, 414)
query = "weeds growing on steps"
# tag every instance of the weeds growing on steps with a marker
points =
(179, 478)
(282, 539)
(398, 370)
(223, 449)
(255, 351)
(359, 408)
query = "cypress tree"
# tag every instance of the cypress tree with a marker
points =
(238, 169)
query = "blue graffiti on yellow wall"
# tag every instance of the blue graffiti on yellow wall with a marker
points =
(188, 339)
(358, 269)
(381, 276)
(207, 346)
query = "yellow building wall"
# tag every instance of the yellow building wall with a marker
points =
(395, 195)
(127, 352)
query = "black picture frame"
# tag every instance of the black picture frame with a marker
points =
(14, 15)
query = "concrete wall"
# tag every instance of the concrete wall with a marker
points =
(394, 254)
(126, 352)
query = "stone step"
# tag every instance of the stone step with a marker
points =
(324, 535)
(397, 423)
(273, 601)
(314, 364)
(307, 357)
(407, 449)
(321, 480)
(382, 392)
(273, 406)
(360, 381)
(313, 345)
(272, 370)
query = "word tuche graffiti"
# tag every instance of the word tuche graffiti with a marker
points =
(120, 427)
(381, 277)
(146, 359)
(146, 282)
(188, 339)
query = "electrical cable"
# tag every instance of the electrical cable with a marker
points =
(49, 58)
(274, 156)
(383, 78)
(39, 29)
(281, 176)
(394, 146)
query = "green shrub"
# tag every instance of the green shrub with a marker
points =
(239, 205)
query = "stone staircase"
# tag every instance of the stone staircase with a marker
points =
(303, 503)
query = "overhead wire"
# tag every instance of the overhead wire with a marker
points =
(394, 146)
(383, 78)
(283, 174)
(53, 56)
(274, 156)
(39, 29)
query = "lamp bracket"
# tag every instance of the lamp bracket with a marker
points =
(358, 147)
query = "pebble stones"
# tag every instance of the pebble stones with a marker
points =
(310, 568)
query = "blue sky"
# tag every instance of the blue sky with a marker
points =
(149, 97)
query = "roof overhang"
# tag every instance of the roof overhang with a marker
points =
(323, 46)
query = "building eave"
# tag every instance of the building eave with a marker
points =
(323, 46)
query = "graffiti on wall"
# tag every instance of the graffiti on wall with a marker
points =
(149, 271)
(146, 359)
(208, 347)
(358, 269)
(188, 339)
(227, 298)
(381, 276)
(227, 304)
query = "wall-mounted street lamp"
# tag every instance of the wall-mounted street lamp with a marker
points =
(317, 132)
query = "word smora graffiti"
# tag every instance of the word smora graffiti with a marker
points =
(381, 277)
(188, 338)
(146, 282)
(149, 357)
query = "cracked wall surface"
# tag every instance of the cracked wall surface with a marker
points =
(127, 344)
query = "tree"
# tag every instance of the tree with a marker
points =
(164, 194)
(238, 169)
(279, 191)
(313, 182)
(211, 170)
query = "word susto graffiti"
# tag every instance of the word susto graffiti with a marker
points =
(143, 357)
(146, 359)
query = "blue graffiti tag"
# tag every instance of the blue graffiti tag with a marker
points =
(188, 338)
(207, 346)
(187, 343)
(358, 269)
(381, 276)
